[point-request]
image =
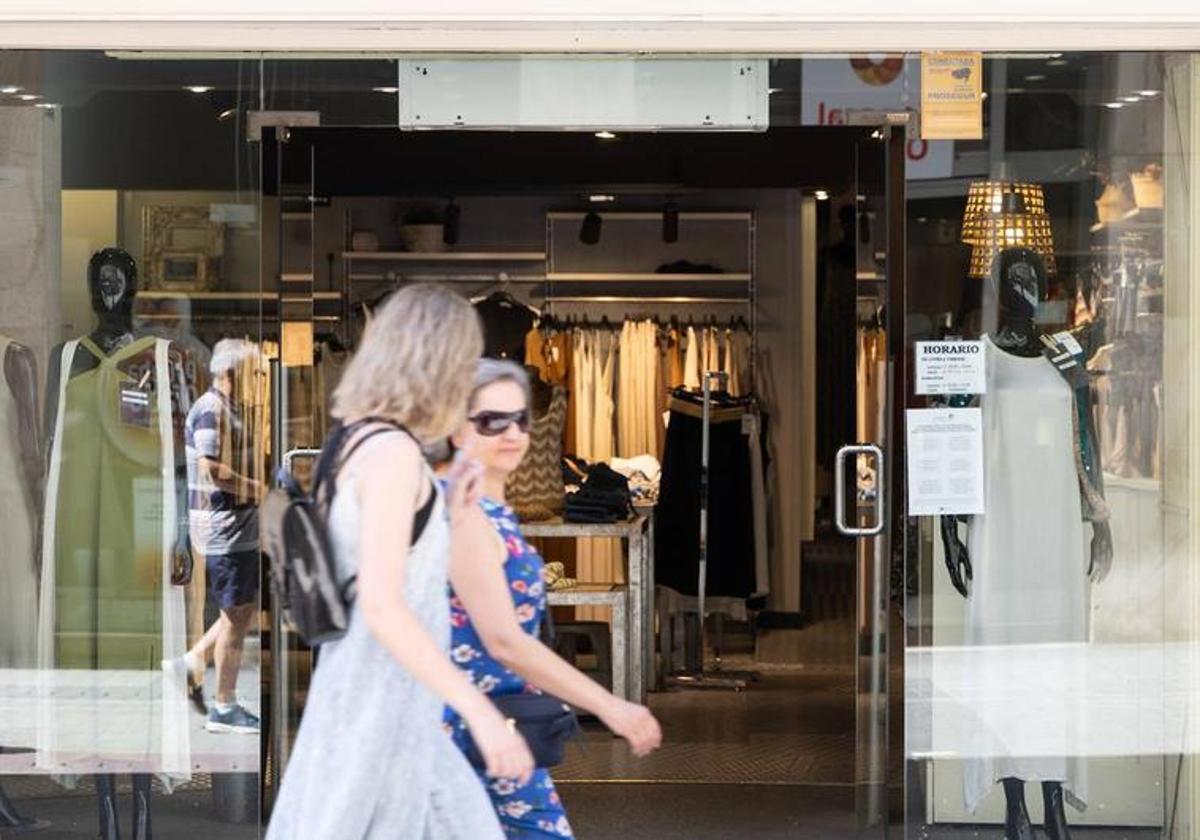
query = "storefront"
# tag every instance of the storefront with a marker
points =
(929, 601)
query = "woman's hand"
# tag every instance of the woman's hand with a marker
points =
(505, 753)
(464, 485)
(635, 724)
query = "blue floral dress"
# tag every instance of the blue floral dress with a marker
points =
(533, 810)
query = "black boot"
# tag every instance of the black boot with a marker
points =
(9, 818)
(106, 796)
(141, 806)
(1017, 825)
(1056, 817)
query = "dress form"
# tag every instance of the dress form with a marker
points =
(1018, 283)
(112, 285)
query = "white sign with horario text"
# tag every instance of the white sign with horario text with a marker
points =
(950, 367)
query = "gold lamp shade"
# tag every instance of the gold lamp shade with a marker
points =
(1006, 214)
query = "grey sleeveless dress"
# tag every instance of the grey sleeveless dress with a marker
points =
(371, 759)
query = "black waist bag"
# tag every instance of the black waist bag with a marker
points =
(544, 721)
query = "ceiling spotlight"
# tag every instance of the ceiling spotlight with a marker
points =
(386, 89)
(670, 222)
(1114, 105)
(1131, 99)
(226, 114)
(1057, 62)
(46, 105)
(1148, 93)
(450, 229)
(28, 97)
(606, 135)
(1035, 77)
(602, 199)
(877, 134)
(589, 231)
(821, 195)
(198, 88)
(9, 90)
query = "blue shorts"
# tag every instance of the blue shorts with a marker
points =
(233, 578)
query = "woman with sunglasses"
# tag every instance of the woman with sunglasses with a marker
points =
(499, 598)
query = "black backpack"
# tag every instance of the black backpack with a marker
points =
(296, 540)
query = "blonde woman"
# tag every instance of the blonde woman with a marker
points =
(371, 759)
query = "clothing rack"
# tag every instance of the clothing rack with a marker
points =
(702, 679)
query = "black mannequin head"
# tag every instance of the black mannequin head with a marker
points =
(112, 282)
(1018, 283)
(1021, 283)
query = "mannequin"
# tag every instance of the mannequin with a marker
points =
(20, 488)
(111, 447)
(1018, 283)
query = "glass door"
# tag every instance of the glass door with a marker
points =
(864, 469)
(291, 221)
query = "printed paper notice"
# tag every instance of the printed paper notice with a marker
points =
(950, 367)
(945, 461)
(952, 96)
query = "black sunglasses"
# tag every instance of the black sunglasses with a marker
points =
(493, 423)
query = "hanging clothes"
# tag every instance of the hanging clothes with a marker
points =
(729, 363)
(18, 577)
(535, 489)
(692, 360)
(109, 614)
(637, 398)
(733, 565)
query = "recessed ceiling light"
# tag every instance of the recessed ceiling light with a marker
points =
(1035, 77)
(1131, 99)
(606, 135)
(602, 199)
(198, 88)
(28, 97)
(1149, 93)
(1114, 105)
(227, 113)
(821, 195)
(9, 90)
(386, 89)
(46, 105)
(1057, 62)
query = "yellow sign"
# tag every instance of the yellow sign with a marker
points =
(952, 96)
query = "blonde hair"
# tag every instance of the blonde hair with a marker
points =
(415, 363)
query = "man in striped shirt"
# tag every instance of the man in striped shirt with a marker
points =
(223, 524)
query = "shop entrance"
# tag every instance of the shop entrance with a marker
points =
(768, 255)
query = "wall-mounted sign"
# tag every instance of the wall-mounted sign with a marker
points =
(952, 96)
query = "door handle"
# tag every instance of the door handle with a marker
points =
(839, 490)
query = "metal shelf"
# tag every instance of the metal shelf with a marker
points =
(743, 216)
(741, 301)
(645, 277)
(229, 296)
(446, 256)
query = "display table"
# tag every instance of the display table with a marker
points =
(633, 636)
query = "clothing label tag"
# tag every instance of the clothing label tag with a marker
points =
(1069, 342)
(135, 406)
(950, 367)
(945, 461)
